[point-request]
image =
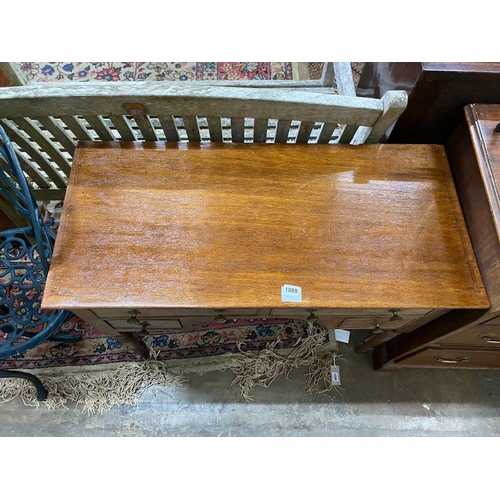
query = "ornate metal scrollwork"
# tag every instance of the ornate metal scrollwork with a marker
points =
(25, 254)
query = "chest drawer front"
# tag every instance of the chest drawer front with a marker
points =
(493, 321)
(485, 335)
(454, 358)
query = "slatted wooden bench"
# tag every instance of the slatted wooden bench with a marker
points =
(45, 121)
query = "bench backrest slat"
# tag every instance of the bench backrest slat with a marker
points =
(46, 121)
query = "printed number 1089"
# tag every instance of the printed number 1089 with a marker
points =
(291, 290)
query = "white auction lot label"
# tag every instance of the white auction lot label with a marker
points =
(291, 293)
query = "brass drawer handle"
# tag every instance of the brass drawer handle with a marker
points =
(488, 339)
(395, 316)
(133, 320)
(220, 318)
(312, 317)
(144, 330)
(452, 361)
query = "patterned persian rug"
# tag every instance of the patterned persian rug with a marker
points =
(156, 71)
(204, 343)
(98, 372)
(59, 72)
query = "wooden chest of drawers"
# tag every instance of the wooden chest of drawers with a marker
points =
(437, 94)
(175, 235)
(466, 342)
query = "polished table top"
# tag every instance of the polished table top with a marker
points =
(227, 225)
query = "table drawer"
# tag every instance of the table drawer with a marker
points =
(121, 325)
(351, 313)
(167, 319)
(486, 336)
(144, 313)
(372, 322)
(453, 358)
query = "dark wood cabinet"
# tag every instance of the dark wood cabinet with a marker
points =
(459, 339)
(437, 94)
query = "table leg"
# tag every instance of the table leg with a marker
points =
(135, 343)
(128, 338)
(375, 340)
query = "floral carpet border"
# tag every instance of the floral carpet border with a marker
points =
(212, 339)
(153, 71)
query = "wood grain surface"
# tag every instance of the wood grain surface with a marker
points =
(473, 152)
(226, 225)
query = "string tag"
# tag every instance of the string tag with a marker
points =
(335, 371)
(335, 374)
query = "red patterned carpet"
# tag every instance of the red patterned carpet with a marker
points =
(212, 339)
(59, 72)
(154, 71)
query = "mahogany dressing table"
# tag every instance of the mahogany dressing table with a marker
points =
(160, 235)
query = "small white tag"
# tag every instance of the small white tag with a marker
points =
(335, 375)
(342, 335)
(291, 293)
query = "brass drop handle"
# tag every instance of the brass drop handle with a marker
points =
(312, 317)
(395, 316)
(488, 339)
(144, 330)
(220, 317)
(133, 320)
(377, 328)
(452, 361)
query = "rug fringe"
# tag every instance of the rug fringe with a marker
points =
(95, 391)
(99, 391)
(263, 367)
